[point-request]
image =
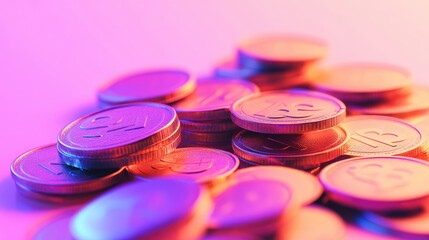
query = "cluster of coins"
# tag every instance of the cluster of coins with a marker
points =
(226, 161)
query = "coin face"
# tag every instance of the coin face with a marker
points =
(364, 82)
(163, 86)
(306, 150)
(118, 130)
(382, 136)
(377, 183)
(41, 170)
(212, 98)
(240, 204)
(415, 103)
(280, 51)
(323, 222)
(203, 165)
(289, 111)
(143, 207)
(305, 186)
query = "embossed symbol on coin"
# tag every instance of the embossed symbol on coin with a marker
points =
(275, 144)
(372, 137)
(59, 168)
(193, 165)
(220, 95)
(383, 177)
(101, 125)
(278, 110)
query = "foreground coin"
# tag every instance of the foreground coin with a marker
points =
(40, 170)
(162, 86)
(280, 52)
(239, 207)
(158, 209)
(303, 151)
(212, 98)
(382, 136)
(314, 223)
(118, 131)
(377, 183)
(364, 82)
(305, 186)
(416, 103)
(291, 111)
(56, 228)
(204, 165)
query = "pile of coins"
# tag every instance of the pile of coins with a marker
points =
(227, 159)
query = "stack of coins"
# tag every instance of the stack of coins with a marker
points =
(205, 115)
(276, 62)
(374, 89)
(295, 128)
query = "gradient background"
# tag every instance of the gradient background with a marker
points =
(54, 55)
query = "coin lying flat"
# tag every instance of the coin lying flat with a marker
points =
(40, 170)
(417, 102)
(212, 98)
(364, 82)
(289, 111)
(305, 186)
(118, 131)
(377, 183)
(204, 165)
(282, 51)
(324, 224)
(382, 136)
(147, 210)
(162, 86)
(304, 151)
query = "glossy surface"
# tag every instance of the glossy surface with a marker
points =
(292, 111)
(377, 183)
(383, 136)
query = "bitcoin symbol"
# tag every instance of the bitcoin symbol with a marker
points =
(60, 168)
(274, 144)
(100, 126)
(381, 177)
(184, 165)
(279, 110)
(375, 137)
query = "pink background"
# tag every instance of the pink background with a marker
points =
(54, 55)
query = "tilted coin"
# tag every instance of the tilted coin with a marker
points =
(40, 170)
(288, 111)
(377, 183)
(162, 86)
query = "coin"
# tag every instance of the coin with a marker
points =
(148, 154)
(219, 138)
(382, 136)
(281, 51)
(405, 107)
(41, 170)
(145, 210)
(305, 186)
(359, 82)
(212, 98)
(324, 224)
(377, 183)
(162, 86)
(118, 131)
(289, 111)
(56, 227)
(231, 69)
(208, 126)
(239, 207)
(204, 165)
(304, 151)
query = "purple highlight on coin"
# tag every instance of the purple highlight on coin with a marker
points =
(118, 131)
(163, 86)
(137, 209)
(56, 228)
(41, 170)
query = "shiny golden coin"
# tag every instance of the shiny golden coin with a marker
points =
(204, 165)
(364, 82)
(382, 136)
(415, 103)
(289, 111)
(304, 151)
